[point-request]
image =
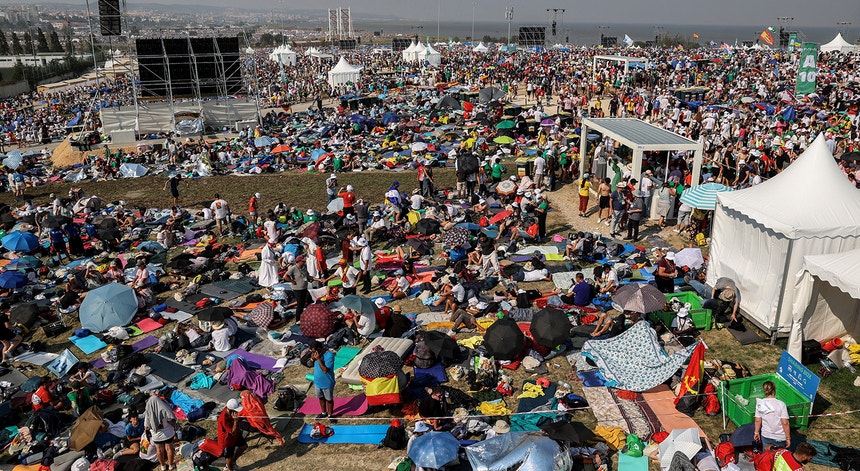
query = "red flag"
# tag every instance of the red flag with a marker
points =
(693, 376)
(767, 36)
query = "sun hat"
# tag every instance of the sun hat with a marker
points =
(234, 405)
(501, 426)
(379, 302)
(421, 427)
(670, 256)
(397, 308)
(217, 325)
(257, 195)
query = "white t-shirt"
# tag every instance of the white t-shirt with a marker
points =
(271, 229)
(536, 275)
(219, 207)
(771, 411)
(351, 277)
(221, 340)
(207, 214)
(403, 283)
(459, 292)
(646, 186)
(417, 200)
(540, 165)
(365, 258)
(366, 324)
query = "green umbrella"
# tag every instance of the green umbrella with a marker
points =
(507, 124)
(504, 140)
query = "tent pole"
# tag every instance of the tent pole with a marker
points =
(583, 148)
(774, 327)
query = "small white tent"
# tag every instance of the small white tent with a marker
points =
(283, 55)
(409, 52)
(432, 55)
(827, 303)
(418, 53)
(761, 234)
(839, 44)
(343, 73)
(480, 48)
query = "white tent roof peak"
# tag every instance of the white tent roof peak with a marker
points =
(838, 44)
(811, 198)
(343, 66)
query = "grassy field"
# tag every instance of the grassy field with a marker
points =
(837, 392)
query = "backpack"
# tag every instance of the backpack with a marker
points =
(395, 438)
(131, 362)
(305, 358)
(320, 431)
(424, 358)
(710, 402)
(764, 461)
(725, 454)
(287, 399)
(614, 250)
(102, 464)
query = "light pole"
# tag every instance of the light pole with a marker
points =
(438, 14)
(509, 15)
(843, 26)
(472, 38)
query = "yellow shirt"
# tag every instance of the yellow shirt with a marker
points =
(583, 189)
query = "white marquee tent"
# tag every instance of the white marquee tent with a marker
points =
(761, 234)
(432, 56)
(409, 52)
(343, 73)
(480, 48)
(283, 55)
(838, 44)
(827, 300)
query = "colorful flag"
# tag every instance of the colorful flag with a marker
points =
(767, 36)
(695, 35)
(628, 40)
(692, 382)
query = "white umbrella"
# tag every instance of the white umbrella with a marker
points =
(335, 205)
(684, 440)
(132, 170)
(92, 202)
(689, 257)
(13, 159)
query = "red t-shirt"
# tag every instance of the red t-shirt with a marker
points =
(348, 199)
(41, 398)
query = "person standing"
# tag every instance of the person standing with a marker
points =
(220, 211)
(331, 187)
(230, 436)
(539, 170)
(298, 280)
(646, 186)
(173, 182)
(254, 208)
(159, 418)
(771, 419)
(323, 378)
(540, 213)
(365, 264)
(267, 275)
(604, 190)
(584, 193)
(635, 213)
(489, 256)
(348, 200)
(9, 337)
(666, 273)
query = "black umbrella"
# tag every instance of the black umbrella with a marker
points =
(419, 246)
(550, 327)
(107, 223)
(504, 339)
(55, 221)
(571, 432)
(24, 314)
(109, 233)
(442, 345)
(214, 314)
(850, 156)
(427, 227)
(456, 237)
(448, 101)
(489, 94)
(179, 263)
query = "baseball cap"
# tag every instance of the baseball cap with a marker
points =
(234, 405)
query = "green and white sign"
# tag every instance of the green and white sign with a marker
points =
(807, 70)
(792, 38)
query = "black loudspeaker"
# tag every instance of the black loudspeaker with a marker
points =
(347, 44)
(399, 44)
(532, 36)
(110, 18)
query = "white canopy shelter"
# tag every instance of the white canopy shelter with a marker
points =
(343, 73)
(409, 52)
(761, 234)
(626, 60)
(838, 44)
(432, 56)
(480, 48)
(827, 300)
(283, 55)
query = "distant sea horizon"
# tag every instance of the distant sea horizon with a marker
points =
(586, 34)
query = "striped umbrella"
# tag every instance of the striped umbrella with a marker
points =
(262, 315)
(704, 196)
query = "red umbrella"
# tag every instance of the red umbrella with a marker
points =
(317, 321)
(500, 216)
(254, 412)
(281, 148)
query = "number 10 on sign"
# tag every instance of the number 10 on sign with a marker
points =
(807, 70)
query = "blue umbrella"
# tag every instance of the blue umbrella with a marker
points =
(434, 450)
(704, 196)
(263, 141)
(26, 262)
(470, 226)
(20, 241)
(12, 280)
(108, 306)
(13, 159)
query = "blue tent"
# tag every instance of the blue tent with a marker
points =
(108, 306)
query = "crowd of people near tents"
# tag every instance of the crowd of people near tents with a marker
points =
(464, 288)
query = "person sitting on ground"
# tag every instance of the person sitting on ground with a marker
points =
(581, 291)
(452, 295)
(608, 328)
(220, 338)
(133, 433)
(401, 286)
(466, 316)
(79, 397)
(682, 324)
(434, 408)
(608, 283)
(362, 324)
(786, 460)
(86, 376)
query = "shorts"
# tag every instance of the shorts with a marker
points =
(231, 450)
(461, 186)
(603, 202)
(325, 393)
(163, 436)
(174, 193)
(59, 247)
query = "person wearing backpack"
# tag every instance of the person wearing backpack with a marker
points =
(230, 436)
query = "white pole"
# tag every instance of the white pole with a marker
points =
(438, 14)
(473, 21)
